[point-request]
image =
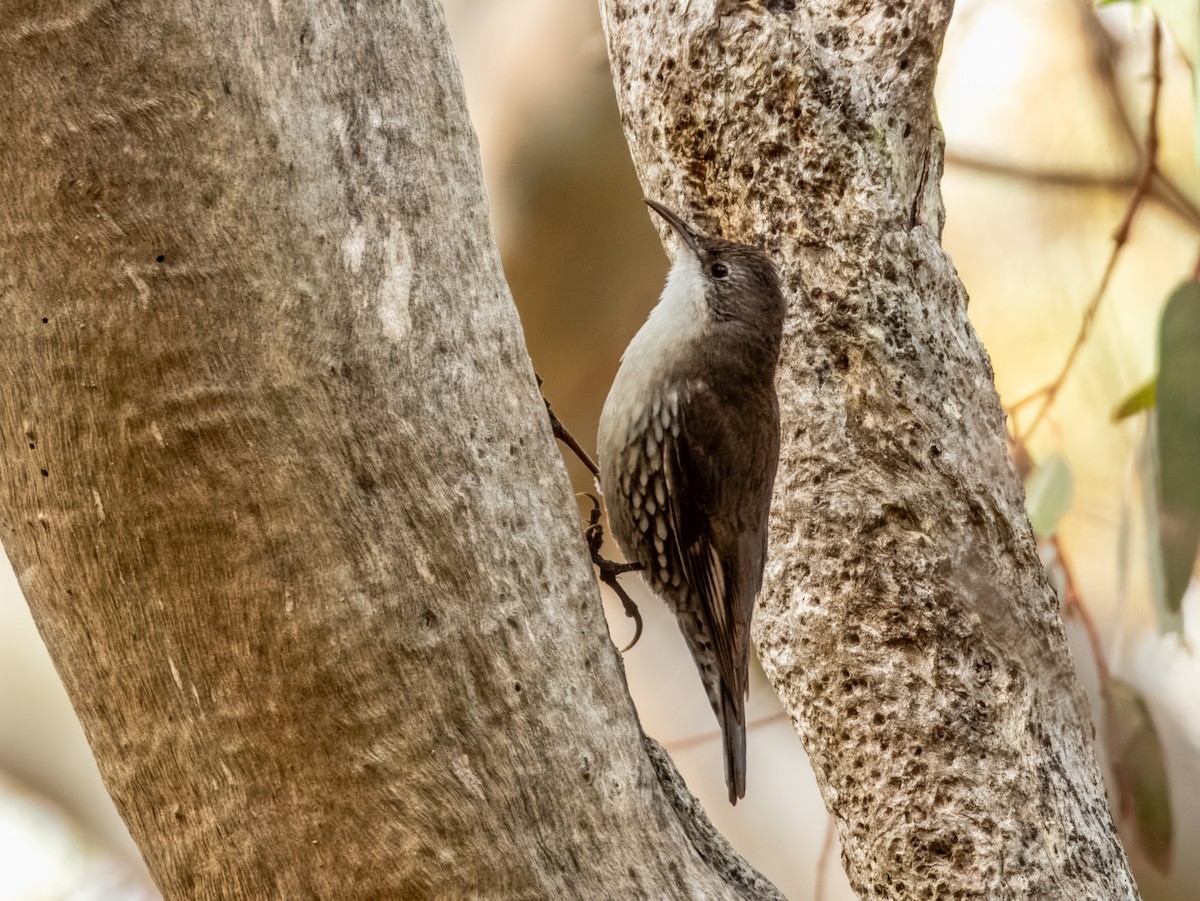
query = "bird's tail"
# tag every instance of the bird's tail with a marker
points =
(733, 728)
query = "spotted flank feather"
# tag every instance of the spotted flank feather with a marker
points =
(688, 444)
(708, 570)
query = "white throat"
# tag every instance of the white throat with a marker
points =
(679, 318)
(677, 322)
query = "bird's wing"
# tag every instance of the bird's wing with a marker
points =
(720, 465)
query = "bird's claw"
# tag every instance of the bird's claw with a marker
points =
(610, 569)
(632, 611)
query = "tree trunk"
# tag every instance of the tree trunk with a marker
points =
(278, 483)
(908, 624)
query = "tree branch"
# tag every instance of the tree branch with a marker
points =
(827, 846)
(1048, 393)
(1162, 190)
(908, 625)
(277, 480)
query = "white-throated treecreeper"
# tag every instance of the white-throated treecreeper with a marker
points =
(689, 445)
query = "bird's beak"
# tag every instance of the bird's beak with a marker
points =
(682, 228)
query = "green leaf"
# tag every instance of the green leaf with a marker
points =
(1178, 423)
(1048, 492)
(1136, 401)
(1136, 753)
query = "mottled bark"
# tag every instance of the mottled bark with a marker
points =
(907, 625)
(277, 480)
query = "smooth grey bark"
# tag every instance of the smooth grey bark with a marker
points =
(907, 624)
(278, 483)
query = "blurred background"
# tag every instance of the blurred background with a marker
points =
(1044, 104)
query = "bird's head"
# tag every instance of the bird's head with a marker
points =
(739, 281)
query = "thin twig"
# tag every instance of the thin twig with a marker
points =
(694, 741)
(1051, 177)
(562, 434)
(1049, 392)
(1073, 605)
(823, 860)
(1028, 399)
(1072, 602)
(1162, 189)
(1105, 70)
(1165, 190)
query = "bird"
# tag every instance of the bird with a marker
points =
(688, 442)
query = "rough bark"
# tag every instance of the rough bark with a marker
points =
(908, 624)
(278, 483)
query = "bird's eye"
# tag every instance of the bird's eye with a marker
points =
(719, 270)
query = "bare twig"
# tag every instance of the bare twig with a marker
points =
(694, 741)
(1149, 165)
(1104, 67)
(1104, 54)
(1162, 189)
(1054, 178)
(1073, 605)
(1028, 399)
(1165, 190)
(823, 860)
(563, 435)
(1071, 600)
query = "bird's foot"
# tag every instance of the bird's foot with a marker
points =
(610, 569)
